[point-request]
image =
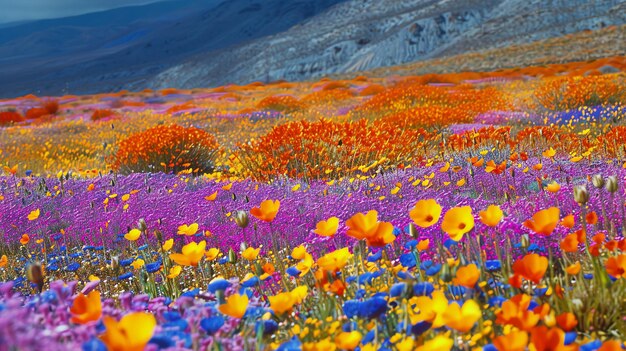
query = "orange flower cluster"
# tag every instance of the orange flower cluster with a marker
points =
(101, 114)
(613, 143)
(425, 105)
(323, 149)
(171, 148)
(281, 103)
(482, 137)
(572, 92)
(10, 117)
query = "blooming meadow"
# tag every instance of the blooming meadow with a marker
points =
(475, 211)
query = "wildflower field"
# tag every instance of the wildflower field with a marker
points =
(461, 211)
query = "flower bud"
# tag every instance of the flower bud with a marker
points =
(35, 275)
(598, 181)
(525, 241)
(158, 235)
(580, 194)
(413, 231)
(241, 218)
(115, 262)
(611, 184)
(141, 225)
(232, 257)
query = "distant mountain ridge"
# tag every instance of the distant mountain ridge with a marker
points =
(189, 43)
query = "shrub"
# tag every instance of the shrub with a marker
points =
(101, 113)
(171, 148)
(572, 92)
(326, 149)
(281, 103)
(10, 117)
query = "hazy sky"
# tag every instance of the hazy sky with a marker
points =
(19, 10)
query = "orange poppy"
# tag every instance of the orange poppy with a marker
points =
(544, 221)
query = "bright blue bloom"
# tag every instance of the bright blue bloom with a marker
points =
(212, 324)
(218, 284)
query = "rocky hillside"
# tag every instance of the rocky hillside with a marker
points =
(365, 34)
(188, 43)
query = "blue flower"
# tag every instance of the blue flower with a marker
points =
(126, 262)
(493, 265)
(423, 289)
(591, 346)
(250, 282)
(375, 257)
(351, 308)
(372, 308)
(72, 267)
(397, 289)
(410, 244)
(153, 267)
(125, 276)
(292, 345)
(191, 293)
(570, 338)
(212, 324)
(489, 347)
(366, 278)
(496, 301)
(293, 271)
(269, 326)
(218, 284)
(434, 269)
(408, 260)
(94, 345)
(420, 328)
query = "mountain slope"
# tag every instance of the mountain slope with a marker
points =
(190, 43)
(105, 51)
(365, 34)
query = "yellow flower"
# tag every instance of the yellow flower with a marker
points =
(282, 302)
(335, 260)
(553, 187)
(348, 340)
(132, 235)
(366, 226)
(405, 345)
(299, 252)
(491, 216)
(174, 272)
(235, 306)
(549, 153)
(250, 253)
(328, 227)
(462, 318)
(3, 261)
(458, 221)
(167, 245)
(362, 225)
(266, 211)
(300, 293)
(188, 230)
(131, 333)
(438, 343)
(432, 309)
(426, 213)
(34, 215)
(138, 263)
(191, 254)
(212, 254)
(322, 345)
